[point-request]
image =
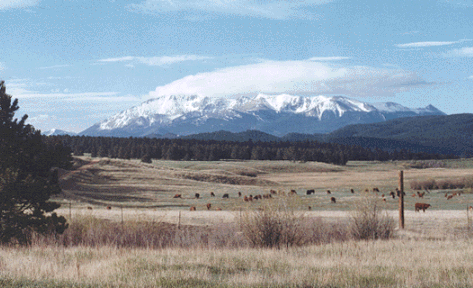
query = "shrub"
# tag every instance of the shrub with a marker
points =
(274, 225)
(369, 221)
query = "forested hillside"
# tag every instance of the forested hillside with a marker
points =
(211, 150)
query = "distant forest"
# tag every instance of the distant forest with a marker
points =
(147, 149)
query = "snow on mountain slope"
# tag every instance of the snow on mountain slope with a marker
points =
(181, 114)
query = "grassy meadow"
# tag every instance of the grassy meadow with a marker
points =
(127, 230)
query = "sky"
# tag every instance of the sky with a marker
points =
(73, 63)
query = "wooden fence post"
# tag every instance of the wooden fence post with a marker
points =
(401, 199)
(179, 221)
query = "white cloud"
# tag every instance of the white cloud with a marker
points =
(54, 67)
(40, 119)
(334, 58)
(462, 52)
(156, 61)
(10, 4)
(2, 67)
(25, 94)
(272, 9)
(430, 44)
(295, 77)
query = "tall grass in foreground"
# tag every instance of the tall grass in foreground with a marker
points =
(391, 263)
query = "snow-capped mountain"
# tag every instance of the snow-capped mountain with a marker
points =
(274, 114)
(55, 132)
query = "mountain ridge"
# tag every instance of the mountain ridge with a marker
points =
(274, 114)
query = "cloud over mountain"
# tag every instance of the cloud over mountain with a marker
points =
(293, 77)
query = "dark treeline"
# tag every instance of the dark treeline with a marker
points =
(204, 150)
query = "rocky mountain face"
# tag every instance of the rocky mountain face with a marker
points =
(273, 114)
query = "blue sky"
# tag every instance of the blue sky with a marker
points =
(73, 63)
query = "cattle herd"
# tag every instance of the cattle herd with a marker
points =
(292, 192)
(333, 200)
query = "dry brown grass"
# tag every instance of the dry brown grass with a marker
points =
(210, 251)
(393, 263)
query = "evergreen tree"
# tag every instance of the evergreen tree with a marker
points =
(27, 177)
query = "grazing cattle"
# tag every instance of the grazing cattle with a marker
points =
(293, 192)
(352, 191)
(421, 206)
(446, 195)
(392, 195)
(382, 195)
(109, 207)
(226, 195)
(333, 200)
(197, 195)
(449, 197)
(246, 198)
(193, 208)
(212, 194)
(413, 195)
(421, 195)
(239, 194)
(89, 208)
(250, 198)
(328, 192)
(310, 208)
(367, 190)
(398, 192)
(375, 189)
(471, 208)
(177, 196)
(208, 206)
(219, 209)
(384, 199)
(454, 194)
(311, 191)
(273, 191)
(258, 197)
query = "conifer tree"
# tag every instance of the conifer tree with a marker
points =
(27, 177)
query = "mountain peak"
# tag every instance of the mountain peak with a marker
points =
(273, 114)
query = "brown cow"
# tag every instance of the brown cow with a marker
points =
(219, 209)
(109, 207)
(193, 208)
(449, 197)
(328, 192)
(89, 208)
(246, 198)
(375, 189)
(250, 198)
(421, 206)
(421, 195)
(225, 195)
(197, 195)
(352, 191)
(208, 206)
(470, 208)
(239, 194)
(293, 192)
(273, 191)
(310, 208)
(333, 200)
(212, 194)
(177, 196)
